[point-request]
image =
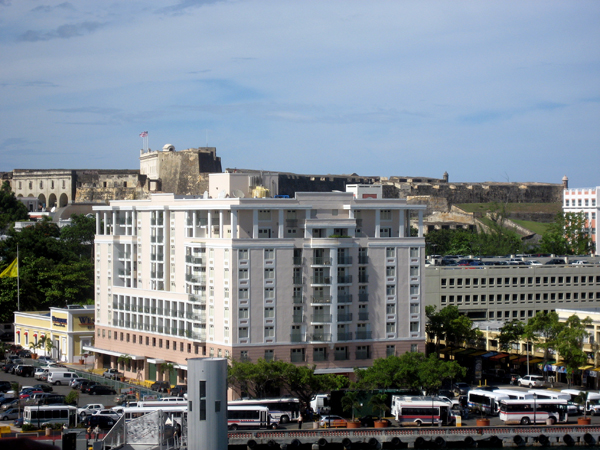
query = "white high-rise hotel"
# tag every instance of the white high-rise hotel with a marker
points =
(332, 279)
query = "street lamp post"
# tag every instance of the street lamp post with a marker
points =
(534, 407)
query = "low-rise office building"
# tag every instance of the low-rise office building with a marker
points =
(512, 291)
(69, 329)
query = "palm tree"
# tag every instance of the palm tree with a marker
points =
(350, 402)
(378, 402)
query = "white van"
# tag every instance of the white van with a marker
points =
(58, 378)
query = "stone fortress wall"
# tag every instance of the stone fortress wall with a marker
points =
(186, 172)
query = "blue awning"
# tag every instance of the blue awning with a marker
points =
(487, 355)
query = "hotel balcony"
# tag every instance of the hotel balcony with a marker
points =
(321, 318)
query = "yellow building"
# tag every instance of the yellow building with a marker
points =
(69, 329)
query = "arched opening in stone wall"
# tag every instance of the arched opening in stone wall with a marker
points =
(64, 200)
(51, 200)
(42, 201)
(19, 195)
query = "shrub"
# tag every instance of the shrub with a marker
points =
(29, 427)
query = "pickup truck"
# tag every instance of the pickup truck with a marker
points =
(113, 374)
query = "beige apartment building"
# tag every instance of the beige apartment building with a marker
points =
(333, 279)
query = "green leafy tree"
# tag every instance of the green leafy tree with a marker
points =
(450, 325)
(511, 333)
(569, 234)
(543, 330)
(412, 370)
(570, 344)
(11, 209)
(79, 236)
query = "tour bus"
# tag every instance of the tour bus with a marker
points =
(514, 394)
(421, 411)
(175, 412)
(534, 411)
(592, 405)
(249, 417)
(40, 415)
(487, 402)
(282, 410)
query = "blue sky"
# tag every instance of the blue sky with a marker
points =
(487, 91)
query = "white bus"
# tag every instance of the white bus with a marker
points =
(282, 410)
(421, 411)
(534, 411)
(158, 404)
(544, 394)
(40, 415)
(487, 402)
(249, 417)
(174, 412)
(592, 405)
(514, 394)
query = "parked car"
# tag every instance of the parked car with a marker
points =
(25, 371)
(326, 420)
(18, 422)
(100, 389)
(532, 381)
(178, 390)
(555, 262)
(85, 388)
(112, 374)
(108, 412)
(45, 360)
(10, 414)
(89, 409)
(125, 398)
(38, 371)
(369, 421)
(24, 354)
(103, 422)
(43, 387)
(161, 386)
(7, 367)
(461, 388)
(10, 404)
(76, 381)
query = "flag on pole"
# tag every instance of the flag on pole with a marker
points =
(12, 270)
(144, 134)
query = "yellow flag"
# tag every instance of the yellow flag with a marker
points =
(12, 270)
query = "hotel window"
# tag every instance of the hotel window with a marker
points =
(243, 254)
(414, 289)
(269, 253)
(390, 252)
(586, 202)
(243, 313)
(390, 289)
(269, 274)
(414, 327)
(243, 294)
(414, 308)
(414, 271)
(386, 214)
(390, 271)
(269, 313)
(390, 327)
(414, 348)
(269, 355)
(385, 232)
(269, 332)
(390, 308)
(414, 252)
(243, 274)
(269, 293)
(264, 214)
(579, 202)
(243, 332)
(566, 202)
(390, 350)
